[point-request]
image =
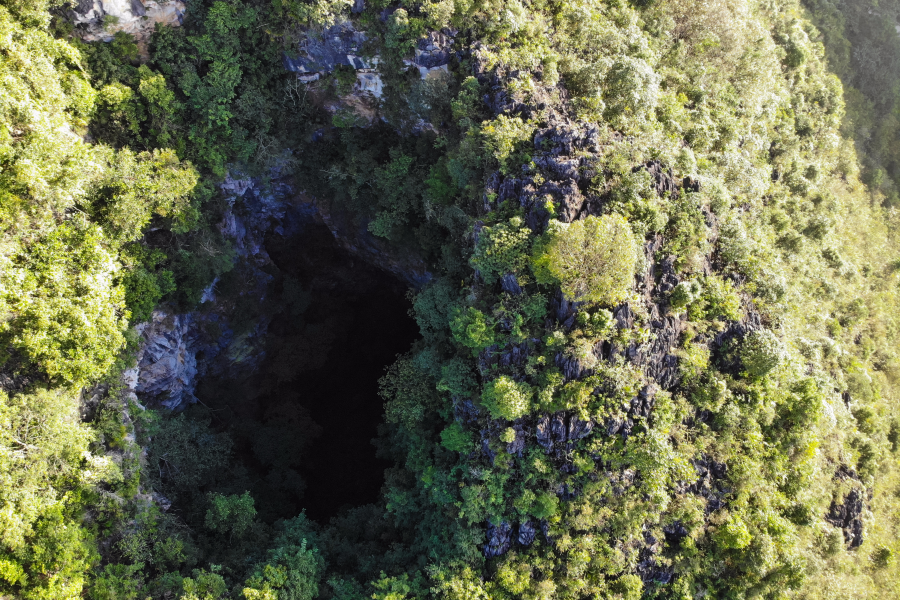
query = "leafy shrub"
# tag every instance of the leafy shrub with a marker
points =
(733, 534)
(293, 567)
(66, 306)
(232, 514)
(761, 352)
(593, 259)
(456, 439)
(717, 299)
(407, 393)
(507, 139)
(137, 187)
(627, 587)
(502, 249)
(631, 89)
(685, 293)
(144, 283)
(204, 585)
(43, 453)
(472, 329)
(506, 398)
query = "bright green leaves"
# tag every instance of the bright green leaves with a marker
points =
(144, 283)
(502, 249)
(293, 567)
(456, 439)
(541, 505)
(508, 141)
(320, 13)
(733, 534)
(46, 166)
(631, 90)
(593, 259)
(203, 585)
(137, 109)
(710, 297)
(761, 353)
(43, 452)
(685, 293)
(472, 329)
(137, 187)
(506, 398)
(466, 105)
(399, 588)
(64, 308)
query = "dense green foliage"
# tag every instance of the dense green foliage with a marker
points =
(724, 207)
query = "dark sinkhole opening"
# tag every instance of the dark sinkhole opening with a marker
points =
(303, 422)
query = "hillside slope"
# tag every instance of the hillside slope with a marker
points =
(659, 329)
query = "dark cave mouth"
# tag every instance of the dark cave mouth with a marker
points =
(303, 423)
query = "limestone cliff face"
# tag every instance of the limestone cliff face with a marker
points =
(100, 20)
(321, 51)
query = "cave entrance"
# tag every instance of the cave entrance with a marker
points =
(304, 421)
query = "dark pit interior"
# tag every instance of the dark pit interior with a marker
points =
(303, 422)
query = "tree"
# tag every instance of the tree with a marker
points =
(293, 567)
(64, 310)
(44, 550)
(506, 398)
(593, 259)
(136, 187)
(232, 514)
(502, 249)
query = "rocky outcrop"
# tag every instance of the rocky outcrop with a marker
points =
(100, 20)
(848, 516)
(499, 539)
(354, 236)
(848, 513)
(166, 370)
(322, 51)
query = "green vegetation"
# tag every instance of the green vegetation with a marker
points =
(659, 349)
(593, 259)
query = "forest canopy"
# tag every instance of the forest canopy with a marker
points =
(659, 321)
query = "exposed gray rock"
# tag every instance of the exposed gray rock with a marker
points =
(517, 446)
(710, 483)
(499, 539)
(527, 533)
(848, 514)
(510, 284)
(166, 369)
(664, 180)
(567, 196)
(321, 51)
(433, 50)
(564, 310)
(100, 20)
(559, 432)
(514, 355)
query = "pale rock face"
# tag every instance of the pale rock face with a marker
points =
(100, 20)
(341, 44)
(167, 362)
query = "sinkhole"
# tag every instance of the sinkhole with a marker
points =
(304, 421)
